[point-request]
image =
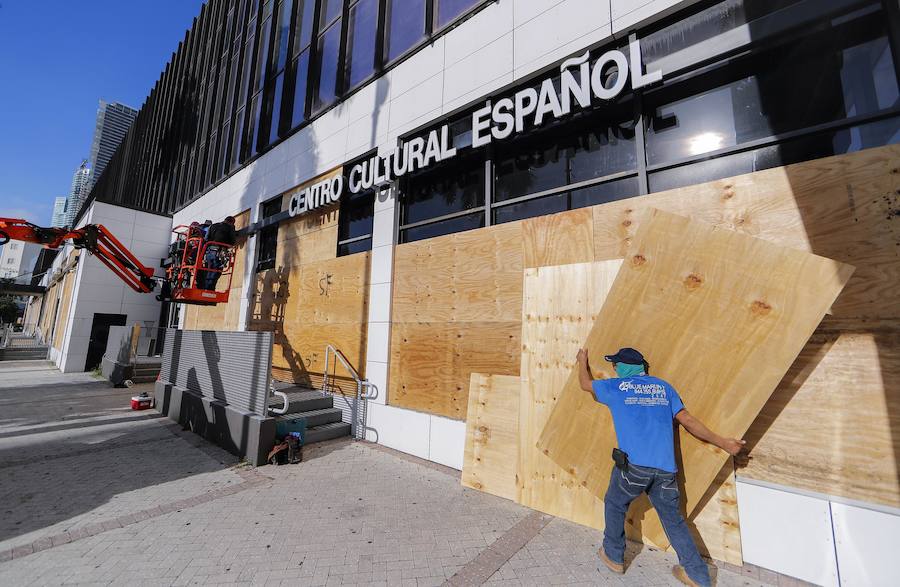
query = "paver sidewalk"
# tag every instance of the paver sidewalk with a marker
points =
(110, 496)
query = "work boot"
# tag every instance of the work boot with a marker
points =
(613, 566)
(682, 576)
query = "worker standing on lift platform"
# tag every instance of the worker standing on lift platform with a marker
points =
(643, 408)
(220, 232)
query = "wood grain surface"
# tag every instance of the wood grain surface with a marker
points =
(559, 307)
(431, 363)
(844, 207)
(833, 425)
(492, 435)
(720, 315)
(559, 239)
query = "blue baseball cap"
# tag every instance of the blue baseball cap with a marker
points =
(626, 355)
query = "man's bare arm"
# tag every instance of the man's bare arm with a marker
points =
(584, 371)
(698, 429)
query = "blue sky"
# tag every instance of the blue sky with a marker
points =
(58, 58)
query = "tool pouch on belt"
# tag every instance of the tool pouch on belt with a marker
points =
(620, 458)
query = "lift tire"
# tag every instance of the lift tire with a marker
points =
(4, 238)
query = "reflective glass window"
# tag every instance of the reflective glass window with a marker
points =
(459, 224)
(282, 36)
(447, 10)
(531, 208)
(359, 246)
(815, 146)
(301, 69)
(304, 28)
(842, 71)
(453, 186)
(331, 10)
(361, 35)
(404, 26)
(328, 55)
(356, 215)
(580, 149)
(273, 106)
(605, 192)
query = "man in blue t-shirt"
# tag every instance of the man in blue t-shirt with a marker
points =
(643, 409)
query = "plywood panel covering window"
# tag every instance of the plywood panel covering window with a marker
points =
(720, 315)
(456, 310)
(312, 299)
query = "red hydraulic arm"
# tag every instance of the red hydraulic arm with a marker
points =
(95, 238)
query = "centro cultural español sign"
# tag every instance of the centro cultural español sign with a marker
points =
(497, 119)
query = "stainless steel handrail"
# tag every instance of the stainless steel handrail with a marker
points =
(360, 385)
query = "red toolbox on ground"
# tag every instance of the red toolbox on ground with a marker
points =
(141, 402)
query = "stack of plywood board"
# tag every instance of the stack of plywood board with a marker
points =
(720, 314)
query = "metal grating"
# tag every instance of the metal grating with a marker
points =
(229, 366)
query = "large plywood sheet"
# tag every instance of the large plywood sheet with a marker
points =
(473, 276)
(833, 425)
(559, 239)
(492, 435)
(431, 364)
(715, 525)
(843, 207)
(720, 315)
(559, 307)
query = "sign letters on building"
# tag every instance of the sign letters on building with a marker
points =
(581, 84)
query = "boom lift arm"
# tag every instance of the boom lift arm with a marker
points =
(94, 238)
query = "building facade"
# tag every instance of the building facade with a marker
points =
(113, 122)
(59, 212)
(17, 261)
(78, 192)
(400, 163)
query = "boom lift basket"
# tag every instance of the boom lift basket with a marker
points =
(192, 263)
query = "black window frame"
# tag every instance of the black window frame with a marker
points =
(267, 238)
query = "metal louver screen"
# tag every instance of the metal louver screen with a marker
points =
(233, 367)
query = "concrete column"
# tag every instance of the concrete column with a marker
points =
(378, 342)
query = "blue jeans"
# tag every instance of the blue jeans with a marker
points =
(666, 499)
(208, 279)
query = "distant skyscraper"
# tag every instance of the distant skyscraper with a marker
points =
(81, 187)
(59, 212)
(113, 122)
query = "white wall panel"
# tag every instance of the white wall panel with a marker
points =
(567, 27)
(383, 228)
(400, 429)
(382, 265)
(628, 14)
(419, 100)
(447, 442)
(484, 28)
(787, 533)
(480, 68)
(525, 10)
(427, 62)
(380, 302)
(867, 543)
(377, 374)
(378, 341)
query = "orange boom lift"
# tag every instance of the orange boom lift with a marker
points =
(186, 260)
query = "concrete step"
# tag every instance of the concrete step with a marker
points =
(143, 378)
(145, 372)
(327, 432)
(14, 354)
(315, 417)
(304, 400)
